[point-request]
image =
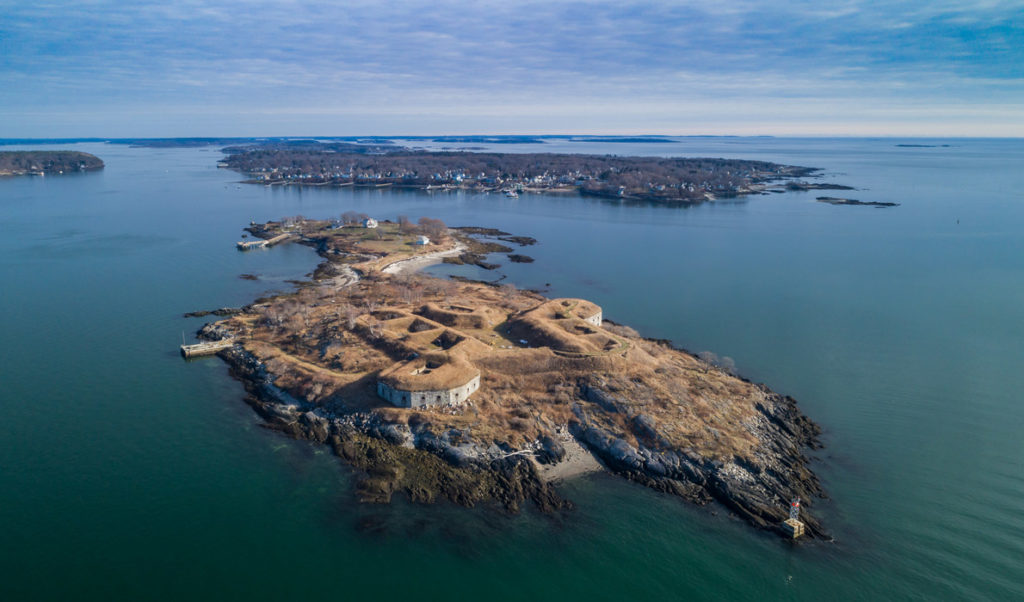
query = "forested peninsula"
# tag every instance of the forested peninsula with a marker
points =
(651, 179)
(19, 163)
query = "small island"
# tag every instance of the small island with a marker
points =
(646, 179)
(484, 394)
(831, 200)
(19, 163)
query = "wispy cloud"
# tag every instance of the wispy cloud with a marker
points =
(422, 64)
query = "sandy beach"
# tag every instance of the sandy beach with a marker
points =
(419, 262)
(578, 461)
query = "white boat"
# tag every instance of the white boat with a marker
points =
(512, 194)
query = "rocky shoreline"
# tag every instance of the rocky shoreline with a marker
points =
(391, 458)
(426, 466)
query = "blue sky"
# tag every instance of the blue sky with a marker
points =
(239, 68)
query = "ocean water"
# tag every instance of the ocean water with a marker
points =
(128, 473)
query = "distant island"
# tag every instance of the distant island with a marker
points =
(650, 179)
(831, 200)
(802, 186)
(476, 393)
(18, 163)
(625, 139)
(490, 139)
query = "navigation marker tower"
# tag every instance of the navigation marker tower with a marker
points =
(793, 527)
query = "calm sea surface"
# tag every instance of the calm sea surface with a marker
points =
(127, 473)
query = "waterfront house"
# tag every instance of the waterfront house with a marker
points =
(369, 223)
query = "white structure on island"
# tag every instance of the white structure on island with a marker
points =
(437, 381)
(419, 399)
(369, 223)
(422, 240)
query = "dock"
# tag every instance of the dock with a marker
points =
(279, 238)
(206, 348)
(248, 245)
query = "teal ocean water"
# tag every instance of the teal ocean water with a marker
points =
(128, 473)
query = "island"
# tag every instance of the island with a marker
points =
(19, 163)
(803, 186)
(479, 393)
(831, 200)
(625, 139)
(648, 179)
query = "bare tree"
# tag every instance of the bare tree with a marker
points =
(727, 365)
(508, 292)
(708, 358)
(406, 292)
(447, 288)
(433, 228)
(351, 314)
(405, 225)
(375, 327)
(273, 316)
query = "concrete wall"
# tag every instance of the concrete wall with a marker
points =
(594, 319)
(419, 399)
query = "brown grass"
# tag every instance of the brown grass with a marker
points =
(308, 345)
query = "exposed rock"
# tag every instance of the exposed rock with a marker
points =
(223, 311)
(551, 451)
(213, 331)
(522, 241)
(840, 201)
(816, 186)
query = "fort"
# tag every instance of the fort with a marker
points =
(471, 391)
(441, 370)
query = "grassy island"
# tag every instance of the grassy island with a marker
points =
(477, 393)
(18, 163)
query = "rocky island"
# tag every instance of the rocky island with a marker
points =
(648, 179)
(19, 163)
(483, 394)
(831, 200)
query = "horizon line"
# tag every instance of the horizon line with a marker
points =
(494, 135)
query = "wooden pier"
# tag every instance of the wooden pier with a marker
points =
(279, 238)
(247, 245)
(206, 348)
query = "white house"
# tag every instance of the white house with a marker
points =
(422, 240)
(369, 223)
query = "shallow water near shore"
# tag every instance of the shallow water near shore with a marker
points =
(127, 472)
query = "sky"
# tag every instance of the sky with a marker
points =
(689, 67)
